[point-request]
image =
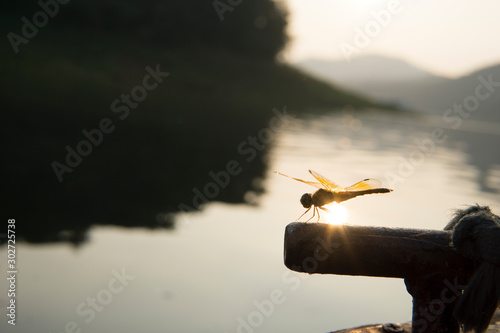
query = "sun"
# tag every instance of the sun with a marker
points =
(337, 215)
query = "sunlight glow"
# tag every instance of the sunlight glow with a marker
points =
(318, 28)
(337, 215)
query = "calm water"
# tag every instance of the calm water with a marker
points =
(222, 270)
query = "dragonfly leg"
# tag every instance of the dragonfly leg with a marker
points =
(304, 213)
(314, 213)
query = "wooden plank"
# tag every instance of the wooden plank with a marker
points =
(372, 251)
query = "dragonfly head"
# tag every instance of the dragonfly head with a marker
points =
(306, 200)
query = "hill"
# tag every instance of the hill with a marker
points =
(394, 80)
(464, 90)
(367, 68)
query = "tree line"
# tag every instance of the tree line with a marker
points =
(255, 28)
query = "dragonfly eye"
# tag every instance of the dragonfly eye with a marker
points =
(306, 200)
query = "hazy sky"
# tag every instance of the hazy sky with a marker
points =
(446, 37)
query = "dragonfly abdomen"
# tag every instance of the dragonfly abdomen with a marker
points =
(350, 195)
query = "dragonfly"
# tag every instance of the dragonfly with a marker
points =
(329, 192)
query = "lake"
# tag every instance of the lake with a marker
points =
(221, 269)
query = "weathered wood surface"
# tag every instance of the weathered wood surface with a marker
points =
(373, 329)
(493, 328)
(371, 251)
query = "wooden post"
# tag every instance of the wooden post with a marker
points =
(434, 273)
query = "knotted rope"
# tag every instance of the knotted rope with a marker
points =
(476, 235)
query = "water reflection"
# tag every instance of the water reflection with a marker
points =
(483, 154)
(232, 255)
(136, 177)
(417, 138)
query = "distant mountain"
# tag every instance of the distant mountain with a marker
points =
(371, 68)
(463, 90)
(396, 81)
(382, 78)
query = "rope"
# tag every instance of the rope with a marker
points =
(476, 235)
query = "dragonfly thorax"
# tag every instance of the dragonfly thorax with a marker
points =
(306, 200)
(323, 197)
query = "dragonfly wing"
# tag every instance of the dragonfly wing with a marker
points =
(367, 184)
(329, 185)
(317, 185)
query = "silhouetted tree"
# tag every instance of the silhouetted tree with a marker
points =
(253, 27)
